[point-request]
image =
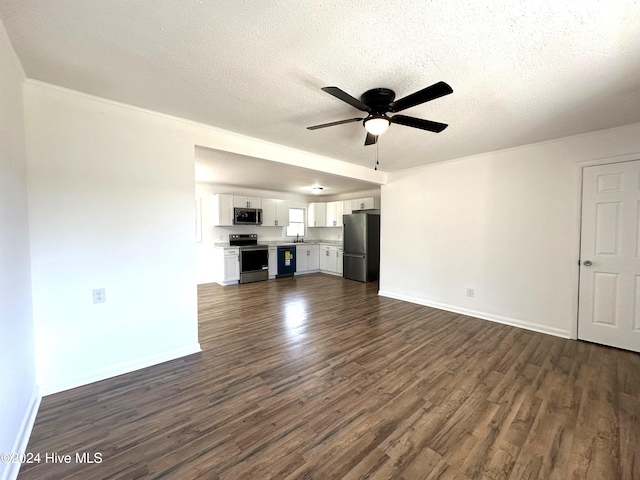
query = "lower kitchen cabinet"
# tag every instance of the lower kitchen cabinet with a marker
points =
(308, 259)
(227, 265)
(331, 259)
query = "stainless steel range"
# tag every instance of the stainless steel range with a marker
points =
(254, 258)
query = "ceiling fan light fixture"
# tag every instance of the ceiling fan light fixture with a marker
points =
(377, 124)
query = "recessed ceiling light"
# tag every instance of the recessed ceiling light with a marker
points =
(317, 189)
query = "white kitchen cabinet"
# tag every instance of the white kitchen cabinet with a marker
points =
(346, 207)
(275, 213)
(317, 214)
(334, 211)
(282, 213)
(328, 259)
(222, 210)
(231, 268)
(308, 258)
(227, 265)
(247, 202)
(324, 258)
(331, 259)
(367, 203)
(301, 259)
(273, 262)
(339, 213)
(330, 214)
(313, 263)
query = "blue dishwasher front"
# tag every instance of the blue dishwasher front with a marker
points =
(286, 261)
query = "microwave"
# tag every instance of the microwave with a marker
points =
(247, 216)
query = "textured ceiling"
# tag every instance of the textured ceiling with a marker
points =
(521, 72)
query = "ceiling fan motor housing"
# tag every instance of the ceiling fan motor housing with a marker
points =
(378, 99)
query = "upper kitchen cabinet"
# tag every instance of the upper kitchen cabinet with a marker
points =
(330, 214)
(334, 214)
(247, 202)
(275, 213)
(317, 214)
(368, 203)
(222, 210)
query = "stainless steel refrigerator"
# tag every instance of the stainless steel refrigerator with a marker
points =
(361, 246)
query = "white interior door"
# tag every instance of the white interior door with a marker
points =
(609, 305)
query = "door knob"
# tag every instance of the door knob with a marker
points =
(587, 263)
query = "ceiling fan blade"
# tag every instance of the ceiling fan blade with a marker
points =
(418, 123)
(345, 97)
(436, 90)
(315, 127)
(371, 139)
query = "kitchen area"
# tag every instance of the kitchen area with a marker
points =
(244, 235)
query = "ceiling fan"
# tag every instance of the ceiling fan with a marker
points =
(379, 101)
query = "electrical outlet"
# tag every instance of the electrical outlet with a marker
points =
(99, 295)
(470, 292)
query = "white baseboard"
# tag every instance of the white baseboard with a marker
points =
(115, 370)
(22, 440)
(514, 322)
(327, 272)
(307, 271)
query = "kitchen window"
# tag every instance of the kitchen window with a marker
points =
(296, 222)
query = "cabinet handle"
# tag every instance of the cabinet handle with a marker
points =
(276, 223)
(308, 252)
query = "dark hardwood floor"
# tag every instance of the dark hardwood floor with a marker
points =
(316, 377)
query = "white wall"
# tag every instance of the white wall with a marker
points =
(111, 205)
(505, 224)
(19, 396)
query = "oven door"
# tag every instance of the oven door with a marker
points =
(254, 263)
